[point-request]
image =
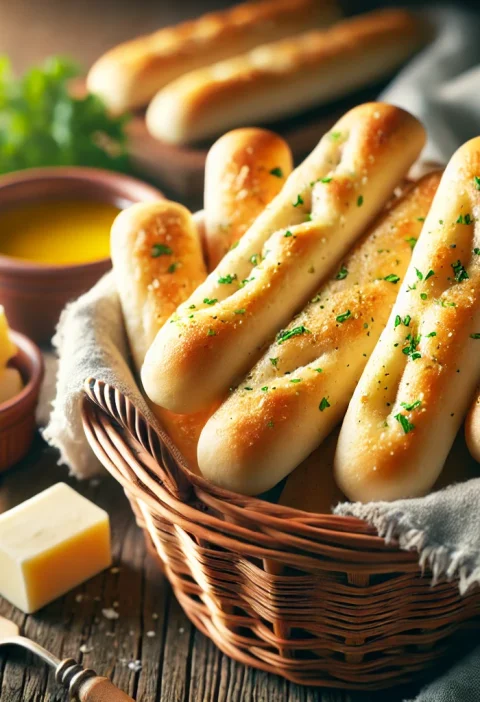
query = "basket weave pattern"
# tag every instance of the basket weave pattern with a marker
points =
(319, 599)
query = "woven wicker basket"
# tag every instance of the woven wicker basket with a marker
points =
(318, 599)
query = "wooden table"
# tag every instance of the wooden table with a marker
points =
(151, 650)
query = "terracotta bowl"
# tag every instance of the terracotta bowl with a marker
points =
(34, 294)
(17, 416)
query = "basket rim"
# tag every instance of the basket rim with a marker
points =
(100, 394)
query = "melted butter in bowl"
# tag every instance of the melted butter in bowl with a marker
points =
(57, 232)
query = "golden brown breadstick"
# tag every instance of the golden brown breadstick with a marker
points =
(157, 263)
(245, 170)
(280, 79)
(472, 428)
(300, 389)
(419, 381)
(325, 204)
(130, 74)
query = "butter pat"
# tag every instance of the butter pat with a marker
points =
(11, 384)
(49, 544)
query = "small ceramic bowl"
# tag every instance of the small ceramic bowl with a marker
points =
(17, 415)
(34, 294)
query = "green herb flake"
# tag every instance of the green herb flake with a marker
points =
(476, 181)
(274, 362)
(277, 172)
(464, 219)
(431, 334)
(265, 388)
(288, 233)
(335, 136)
(318, 370)
(410, 349)
(227, 279)
(475, 336)
(419, 274)
(392, 278)
(476, 252)
(242, 311)
(234, 245)
(299, 201)
(405, 424)
(359, 200)
(283, 335)
(328, 179)
(192, 307)
(172, 267)
(295, 380)
(211, 332)
(324, 403)
(343, 317)
(398, 321)
(247, 388)
(429, 274)
(411, 241)
(255, 259)
(270, 424)
(459, 272)
(208, 301)
(423, 296)
(420, 219)
(161, 250)
(342, 273)
(410, 406)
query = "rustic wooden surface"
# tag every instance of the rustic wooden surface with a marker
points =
(178, 664)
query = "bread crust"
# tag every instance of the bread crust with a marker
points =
(300, 389)
(281, 260)
(245, 169)
(129, 75)
(280, 79)
(418, 384)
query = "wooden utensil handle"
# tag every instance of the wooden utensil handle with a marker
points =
(100, 689)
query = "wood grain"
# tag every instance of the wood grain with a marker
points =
(151, 651)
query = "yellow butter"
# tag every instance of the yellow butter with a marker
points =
(49, 544)
(11, 384)
(7, 347)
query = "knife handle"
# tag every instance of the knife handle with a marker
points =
(85, 685)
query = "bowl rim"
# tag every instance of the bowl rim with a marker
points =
(83, 174)
(29, 350)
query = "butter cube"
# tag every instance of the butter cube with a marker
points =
(49, 544)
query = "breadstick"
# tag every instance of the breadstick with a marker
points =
(244, 171)
(325, 204)
(472, 428)
(300, 389)
(280, 79)
(419, 381)
(157, 263)
(130, 74)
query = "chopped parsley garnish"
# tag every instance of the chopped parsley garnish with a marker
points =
(277, 172)
(173, 267)
(288, 233)
(274, 361)
(476, 180)
(392, 278)
(227, 279)
(410, 349)
(419, 274)
(405, 321)
(299, 201)
(247, 388)
(211, 332)
(412, 241)
(318, 370)
(208, 301)
(431, 334)
(245, 281)
(242, 311)
(423, 296)
(476, 251)
(410, 406)
(295, 380)
(255, 259)
(359, 200)
(335, 136)
(420, 219)
(429, 274)
(464, 219)
(342, 273)
(324, 403)
(405, 424)
(328, 179)
(475, 336)
(192, 307)
(289, 333)
(459, 272)
(161, 250)
(234, 245)
(343, 317)
(265, 388)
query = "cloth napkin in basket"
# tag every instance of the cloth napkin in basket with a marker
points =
(442, 87)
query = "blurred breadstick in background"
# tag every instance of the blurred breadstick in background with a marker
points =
(129, 75)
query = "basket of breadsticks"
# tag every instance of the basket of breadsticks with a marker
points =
(309, 338)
